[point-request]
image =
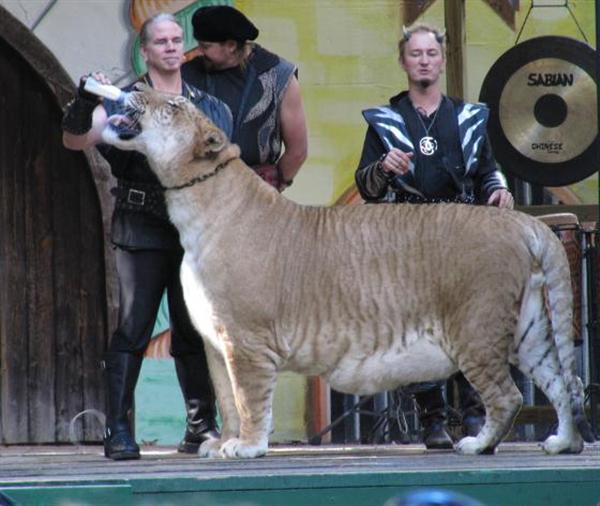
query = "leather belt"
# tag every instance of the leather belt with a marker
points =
(141, 197)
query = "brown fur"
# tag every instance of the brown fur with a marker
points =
(371, 297)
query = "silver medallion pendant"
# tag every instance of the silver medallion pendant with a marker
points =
(428, 145)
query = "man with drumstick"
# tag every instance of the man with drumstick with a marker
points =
(425, 147)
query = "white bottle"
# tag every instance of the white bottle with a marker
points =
(104, 90)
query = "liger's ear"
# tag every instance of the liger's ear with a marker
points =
(209, 139)
(214, 140)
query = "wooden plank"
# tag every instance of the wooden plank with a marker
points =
(518, 474)
(26, 66)
(39, 243)
(454, 16)
(76, 463)
(93, 318)
(4, 237)
(67, 265)
(13, 320)
(81, 334)
(413, 10)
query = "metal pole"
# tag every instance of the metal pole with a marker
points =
(598, 94)
(593, 268)
(352, 422)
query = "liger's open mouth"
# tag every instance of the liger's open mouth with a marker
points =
(125, 124)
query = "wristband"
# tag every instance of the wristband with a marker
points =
(77, 118)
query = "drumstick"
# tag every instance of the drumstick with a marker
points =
(104, 90)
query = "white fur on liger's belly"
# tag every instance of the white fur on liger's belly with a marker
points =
(422, 360)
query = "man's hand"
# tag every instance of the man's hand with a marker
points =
(83, 93)
(84, 117)
(98, 76)
(501, 198)
(271, 175)
(396, 161)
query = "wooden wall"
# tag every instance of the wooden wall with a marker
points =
(53, 290)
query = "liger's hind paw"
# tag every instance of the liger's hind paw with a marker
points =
(584, 428)
(556, 444)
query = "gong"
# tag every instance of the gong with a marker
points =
(543, 123)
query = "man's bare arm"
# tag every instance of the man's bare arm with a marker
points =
(293, 132)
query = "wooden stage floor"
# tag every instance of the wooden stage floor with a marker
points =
(520, 474)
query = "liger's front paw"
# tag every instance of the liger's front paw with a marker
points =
(210, 448)
(473, 446)
(237, 448)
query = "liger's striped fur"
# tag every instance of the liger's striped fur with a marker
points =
(370, 297)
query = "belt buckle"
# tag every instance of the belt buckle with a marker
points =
(136, 197)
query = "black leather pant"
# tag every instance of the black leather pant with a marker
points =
(143, 277)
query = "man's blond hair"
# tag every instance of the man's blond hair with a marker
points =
(154, 20)
(407, 33)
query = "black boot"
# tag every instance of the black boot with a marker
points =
(473, 411)
(121, 372)
(197, 390)
(432, 415)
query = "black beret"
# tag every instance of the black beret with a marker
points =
(220, 23)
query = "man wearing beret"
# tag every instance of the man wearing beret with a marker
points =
(260, 88)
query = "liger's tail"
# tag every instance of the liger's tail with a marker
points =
(555, 265)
